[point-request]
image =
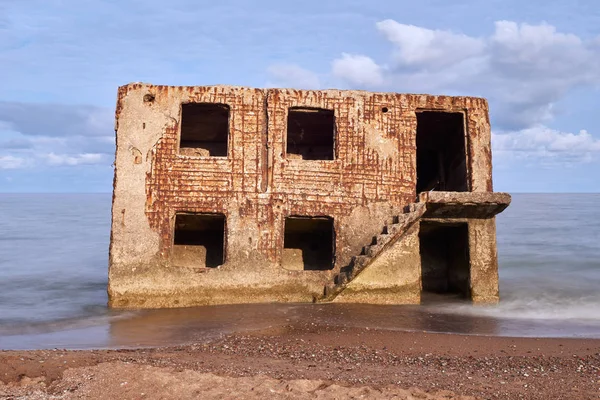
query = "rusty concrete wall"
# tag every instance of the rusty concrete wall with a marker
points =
(257, 186)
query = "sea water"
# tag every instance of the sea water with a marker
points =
(54, 260)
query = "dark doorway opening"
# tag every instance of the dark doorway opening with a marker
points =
(441, 154)
(204, 129)
(309, 243)
(199, 240)
(445, 264)
(310, 134)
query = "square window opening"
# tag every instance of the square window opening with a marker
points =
(310, 134)
(309, 243)
(204, 129)
(445, 261)
(441, 154)
(199, 240)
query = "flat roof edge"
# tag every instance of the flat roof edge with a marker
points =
(136, 85)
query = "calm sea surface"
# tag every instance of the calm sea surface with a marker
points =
(53, 276)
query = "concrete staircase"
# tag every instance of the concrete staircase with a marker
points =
(392, 232)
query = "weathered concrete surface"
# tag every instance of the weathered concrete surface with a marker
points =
(464, 204)
(484, 260)
(256, 186)
(393, 232)
(393, 278)
(479, 149)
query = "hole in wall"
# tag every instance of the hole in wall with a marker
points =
(204, 129)
(441, 154)
(199, 240)
(445, 260)
(384, 110)
(309, 243)
(310, 134)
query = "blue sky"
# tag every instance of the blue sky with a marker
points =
(537, 62)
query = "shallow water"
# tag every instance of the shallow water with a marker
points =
(53, 275)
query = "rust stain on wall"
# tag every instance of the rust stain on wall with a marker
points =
(256, 184)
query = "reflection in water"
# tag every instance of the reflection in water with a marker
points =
(200, 324)
(169, 327)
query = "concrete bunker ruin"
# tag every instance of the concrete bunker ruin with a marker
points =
(231, 195)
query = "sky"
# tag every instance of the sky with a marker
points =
(537, 62)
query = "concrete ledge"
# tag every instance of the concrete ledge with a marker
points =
(464, 204)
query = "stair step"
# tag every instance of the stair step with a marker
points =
(383, 238)
(329, 289)
(341, 278)
(393, 229)
(410, 208)
(358, 263)
(373, 250)
(392, 220)
(403, 218)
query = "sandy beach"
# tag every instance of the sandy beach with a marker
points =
(311, 361)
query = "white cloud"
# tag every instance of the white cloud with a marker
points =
(421, 47)
(522, 69)
(358, 70)
(527, 50)
(12, 162)
(531, 67)
(42, 135)
(32, 158)
(77, 159)
(290, 75)
(547, 145)
(56, 120)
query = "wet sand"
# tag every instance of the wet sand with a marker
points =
(312, 361)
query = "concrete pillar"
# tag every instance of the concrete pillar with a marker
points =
(484, 260)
